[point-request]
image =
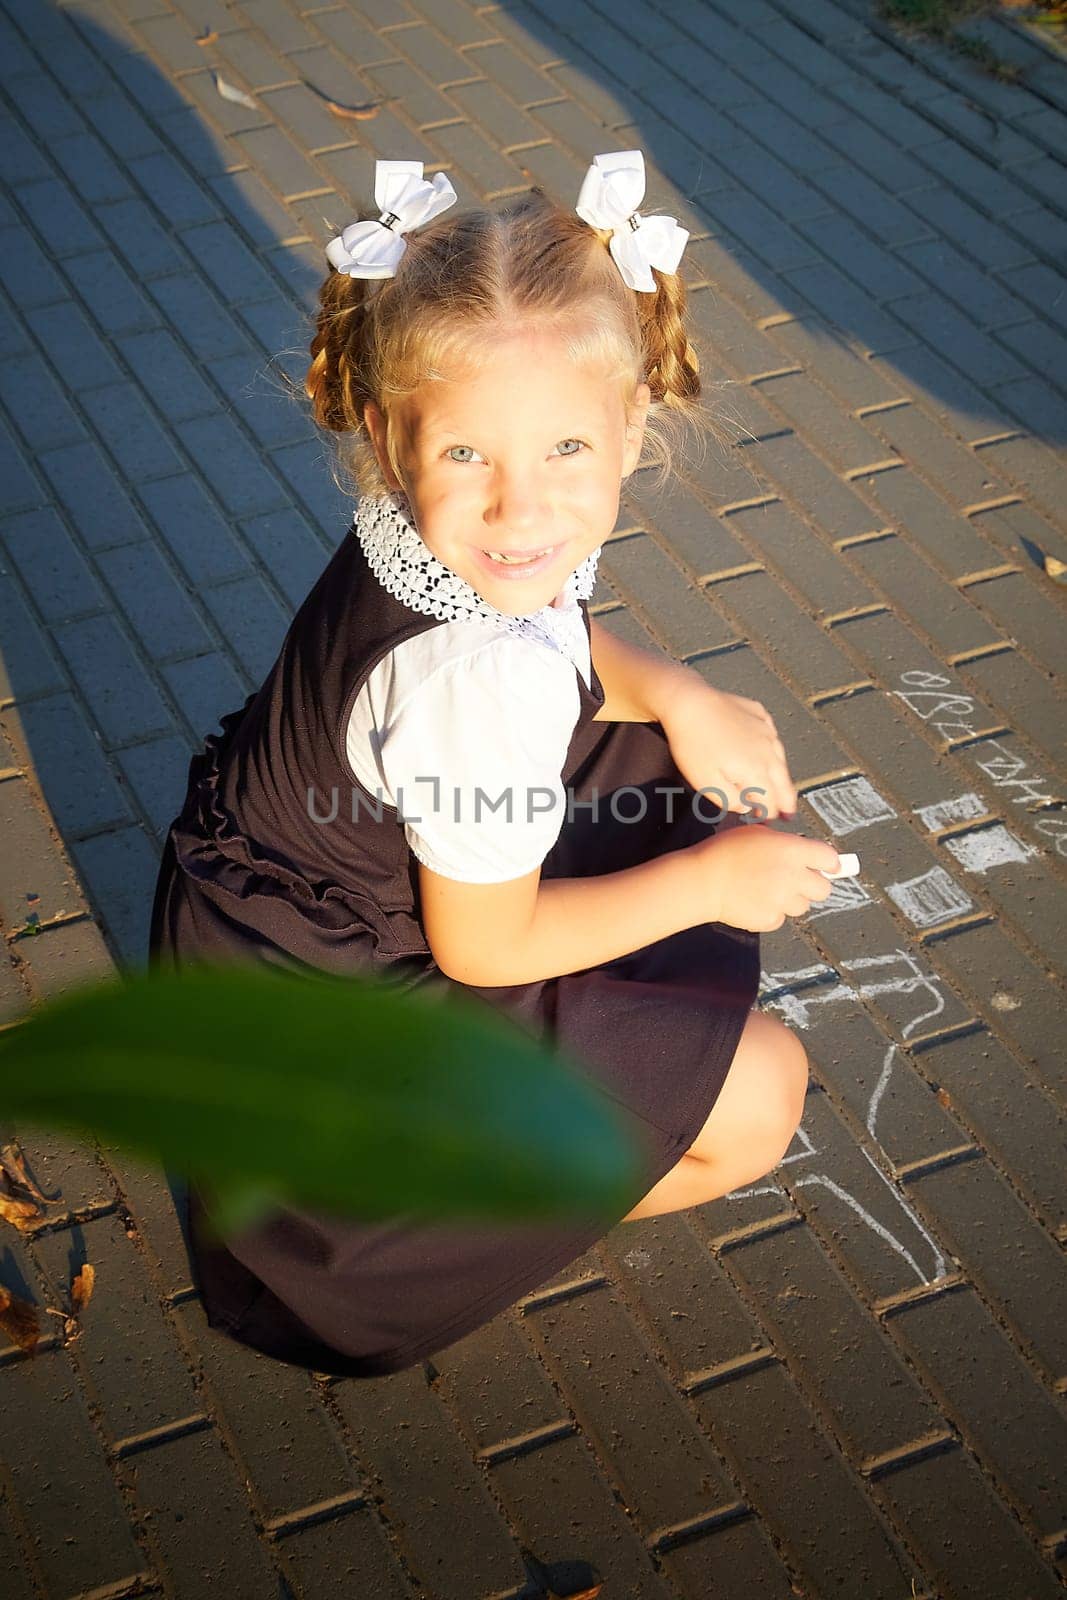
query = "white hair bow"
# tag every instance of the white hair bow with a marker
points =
(373, 249)
(612, 190)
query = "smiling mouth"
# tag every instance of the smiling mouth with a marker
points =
(518, 557)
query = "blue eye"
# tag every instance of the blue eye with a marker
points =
(577, 444)
(462, 452)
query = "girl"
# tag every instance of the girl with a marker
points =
(454, 775)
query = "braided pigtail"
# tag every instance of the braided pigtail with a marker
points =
(672, 370)
(336, 381)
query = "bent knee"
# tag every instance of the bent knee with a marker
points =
(779, 1067)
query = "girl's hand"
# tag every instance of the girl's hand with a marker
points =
(723, 742)
(754, 877)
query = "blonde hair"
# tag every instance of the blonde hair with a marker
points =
(464, 276)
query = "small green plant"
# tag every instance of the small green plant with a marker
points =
(346, 1095)
(939, 19)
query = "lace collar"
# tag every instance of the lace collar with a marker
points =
(407, 569)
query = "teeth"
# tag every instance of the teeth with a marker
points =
(517, 560)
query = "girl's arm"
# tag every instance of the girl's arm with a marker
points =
(494, 934)
(638, 684)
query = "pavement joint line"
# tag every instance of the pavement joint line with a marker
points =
(999, 504)
(870, 537)
(998, 647)
(62, 919)
(1005, 570)
(737, 1238)
(92, 1212)
(906, 1171)
(140, 1583)
(844, 691)
(1055, 1544)
(337, 1505)
(564, 1291)
(714, 650)
(1004, 437)
(917, 1043)
(521, 1444)
(11, 772)
(933, 1444)
(883, 405)
(889, 1305)
(777, 319)
(875, 467)
(196, 1422)
(995, 730)
(753, 503)
(775, 372)
(836, 775)
(724, 574)
(46, 1343)
(740, 1366)
(664, 1539)
(945, 930)
(876, 609)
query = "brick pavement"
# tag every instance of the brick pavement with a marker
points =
(847, 1381)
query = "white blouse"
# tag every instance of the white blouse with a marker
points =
(463, 730)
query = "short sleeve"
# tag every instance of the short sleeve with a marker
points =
(473, 759)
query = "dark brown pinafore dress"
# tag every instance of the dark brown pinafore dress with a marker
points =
(247, 873)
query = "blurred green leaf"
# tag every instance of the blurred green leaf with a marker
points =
(348, 1096)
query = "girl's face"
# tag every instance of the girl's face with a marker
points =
(525, 458)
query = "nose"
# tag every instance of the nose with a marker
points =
(515, 502)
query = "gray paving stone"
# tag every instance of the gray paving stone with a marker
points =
(950, 540)
(289, 550)
(251, 622)
(308, 118)
(168, 376)
(1028, 696)
(489, 172)
(51, 566)
(220, 254)
(193, 310)
(998, 193)
(93, 174)
(834, 508)
(286, 169)
(976, 235)
(122, 699)
(157, 772)
(676, 611)
(27, 663)
(97, 504)
(956, 472)
(1026, 615)
(486, 107)
(503, 65)
(880, 158)
(911, 585)
(842, 441)
(52, 736)
(148, 251)
(119, 870)
(65, 335)
(26, 272)
(1030, 464)
(1041, 347)
(199, 537)
(231, 465)
(1037, 405)
(305, 467)
(19, 488)
(179, 198)
(254, 213)
(206, 688)
(110, 294)
(748, 219)
(66, 1491)
(353, 39)
(38, 883)
(21, 161)
(61, 223)
(399, 82)
(854, 381)
(847, 306)
(153, 601)
(944, 392)
(809, 563)
(139, 445)
(50, 113)
(130, 1333)
(34, 404)
(172, 41)
(249, 58)
(809, 658)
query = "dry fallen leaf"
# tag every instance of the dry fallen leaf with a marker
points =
(1056, 569)
(82, 1288)
(945, 1098)
(211, 37)
(237, 96)
(13, 1165)
(355, 113)
(18, 1319)
(20, 1213)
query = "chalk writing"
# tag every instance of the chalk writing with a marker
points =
(848, 805)
(988, 847)
(945, 812)
(930, 898)
(932, 697)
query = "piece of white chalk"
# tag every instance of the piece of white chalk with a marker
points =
(849, 867)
